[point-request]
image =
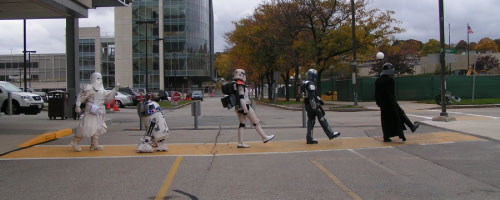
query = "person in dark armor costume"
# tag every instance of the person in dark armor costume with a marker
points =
(313, 103)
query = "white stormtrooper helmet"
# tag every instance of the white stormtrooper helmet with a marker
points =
(239, 74)
(96, 81)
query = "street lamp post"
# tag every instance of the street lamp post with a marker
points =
(353, 64)
(24, 52)
(11, 66)
(443, 116)
(146, 22)
(331, 71)
(29, 65)
(161, 68)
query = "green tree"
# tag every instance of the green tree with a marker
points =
(472, 46)
(461, 46)
(486, 63)
(401, 62)
(223, 65)
(485, 45)
(328, 37)
(410, 47)
(497, 41)
(431, 47)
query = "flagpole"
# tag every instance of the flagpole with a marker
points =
(474, 65)
(468, 64)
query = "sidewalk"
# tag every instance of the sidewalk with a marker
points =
(17, 129)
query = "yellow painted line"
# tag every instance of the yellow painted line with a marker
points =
(45, 151)
(46, 137)
(168, 180)
(337, 181)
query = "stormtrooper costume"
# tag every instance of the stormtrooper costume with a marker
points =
(92, 125)
(244, 110)
(313, 103)
(156, 128)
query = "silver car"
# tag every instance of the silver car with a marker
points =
(123, 99)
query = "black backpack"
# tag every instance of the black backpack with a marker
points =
(229, 90)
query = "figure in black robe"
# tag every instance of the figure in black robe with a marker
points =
(393, 118)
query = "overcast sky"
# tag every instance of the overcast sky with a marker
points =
(419, 18)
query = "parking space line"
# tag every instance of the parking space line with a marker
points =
(337, 181)
(168, 180)
(425, 117)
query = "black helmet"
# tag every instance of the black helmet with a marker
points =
(387, 69)
(311, 75)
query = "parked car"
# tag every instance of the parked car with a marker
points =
(123, 99)
(42, 94)
(130, 91)
(197, 95)
(22, 102)
(164, 95)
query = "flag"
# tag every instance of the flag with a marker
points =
(469, 30)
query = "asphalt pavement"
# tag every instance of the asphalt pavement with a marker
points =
(441, 160)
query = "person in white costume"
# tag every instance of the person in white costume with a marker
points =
(244, 110)
(92, 125)
(156, 128)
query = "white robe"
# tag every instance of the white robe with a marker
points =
(93, 124)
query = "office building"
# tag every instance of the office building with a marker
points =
(169, 40)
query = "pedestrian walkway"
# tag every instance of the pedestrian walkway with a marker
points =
(287, 146)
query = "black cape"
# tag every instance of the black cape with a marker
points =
(390, 112)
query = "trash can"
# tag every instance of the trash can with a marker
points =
(57, 104)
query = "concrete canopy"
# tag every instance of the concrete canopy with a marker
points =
(47, 9)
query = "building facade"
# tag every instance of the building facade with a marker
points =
(169, 43)
(48, 71)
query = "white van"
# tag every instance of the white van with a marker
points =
(22, 102)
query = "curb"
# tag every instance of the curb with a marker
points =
(467, 106)
(46, 137)
(279, 106)
(331, 109)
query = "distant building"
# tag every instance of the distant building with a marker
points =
(172, 39)
(48, 71)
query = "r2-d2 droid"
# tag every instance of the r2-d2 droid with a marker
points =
(156, 128)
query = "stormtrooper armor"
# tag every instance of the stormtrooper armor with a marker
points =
(156, 128)
(313, 103)
(92, 124)
(244, 110)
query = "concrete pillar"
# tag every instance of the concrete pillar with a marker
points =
(160, 46)
(72, 59)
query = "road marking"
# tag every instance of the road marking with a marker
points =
(168, 180)
(388, 170)
(461, 113)
(125, 151)
(425, 117)
(336, 181)
(46, 137)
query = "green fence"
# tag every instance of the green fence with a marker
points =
(325, 87)
(412, 88)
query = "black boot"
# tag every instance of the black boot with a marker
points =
(387, 140)
(414, 127)
(403, 138)
(313, 141)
